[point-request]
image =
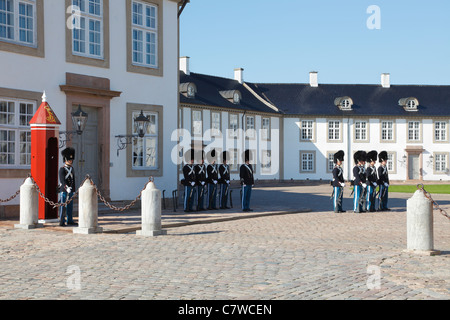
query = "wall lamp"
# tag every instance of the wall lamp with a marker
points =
(79, 119)
(140, 124)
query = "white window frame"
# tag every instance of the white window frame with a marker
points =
(440, 162)
(361, 130)
(413, 132)
(233, 125)
(146, 26)
(334, 130)
(17, 19)
(307, 130)
(266, 161)
(387, 130)
(250, 127)
(440, 131)
(197, 123)
(16, 143)
(330, 161)
(265, 128)
(151, 134)
(216, 121)
(307, 162)
(81, 33)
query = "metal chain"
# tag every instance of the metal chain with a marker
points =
(55, 204)
(10, 198)
(420, 186)
(112, 207)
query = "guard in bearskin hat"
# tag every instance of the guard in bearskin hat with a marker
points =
(224, 181)
(67, 186)
(213, 180)
(359, 181)
(200, 175)
(247, 181)
(189, 181)
(383, 182)
(371, 177)
(338, 182)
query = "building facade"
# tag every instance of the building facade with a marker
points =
(312, 121)
(113, 59)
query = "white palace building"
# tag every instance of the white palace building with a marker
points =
(299, 127)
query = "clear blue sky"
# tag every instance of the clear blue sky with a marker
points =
(281, 41)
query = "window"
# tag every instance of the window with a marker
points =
(307, 130)
(333, 130)
(234, 161)
(307, 162)
(360, 130)
(233, 125)
(15, 134)
(265, 132)
(266, 161)
(387, 130)
(197, 123)
(87, 34)
(144, 34)
(330, 161)
(250, 127)
(215, 124)
(390, 162)
(414, 130)
(145, 150)
(18, 21)
(440, 131)
(440, 162)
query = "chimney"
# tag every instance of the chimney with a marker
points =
(313, 79)
(385, 80)
(184, 65)
(239, 75)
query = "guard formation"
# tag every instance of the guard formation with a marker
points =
(204, 182)
(365, 182)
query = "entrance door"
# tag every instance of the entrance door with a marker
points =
(86, 149)
(413, 166)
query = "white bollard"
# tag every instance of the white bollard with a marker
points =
(151, 212)
(420, 224)
(87, 210)
(29, 206)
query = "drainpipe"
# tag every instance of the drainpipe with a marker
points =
(349, 152)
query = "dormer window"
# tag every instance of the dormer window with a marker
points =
(234, 96)
(409, 104)
(344, 103)
(188, 89)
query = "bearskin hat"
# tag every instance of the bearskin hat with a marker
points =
(372, 156)
(382, 156)
(225, 156)
(212, 156)
(359, 156)
(68, 154)
(339, 156)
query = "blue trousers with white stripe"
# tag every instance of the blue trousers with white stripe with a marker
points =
(246, 194)
(358, 193)
(370, 198)
(223, 196)
(337, 198)
(188, 198)
(383, 197)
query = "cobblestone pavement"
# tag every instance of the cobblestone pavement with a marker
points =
(310, 255)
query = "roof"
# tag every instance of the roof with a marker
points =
(369, 100)
(45, 115)
(212, 92)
